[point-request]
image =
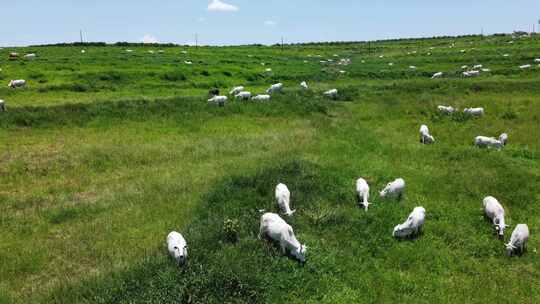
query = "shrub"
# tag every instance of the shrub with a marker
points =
(230, 230)
(509, 115)
(174, 76)
(461, 117)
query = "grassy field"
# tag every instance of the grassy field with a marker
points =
(106, 152)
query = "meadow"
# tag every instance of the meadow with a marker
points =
(105, 152)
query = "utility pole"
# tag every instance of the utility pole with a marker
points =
(196, 40)
(282, 43)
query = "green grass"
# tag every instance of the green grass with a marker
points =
(106, 152)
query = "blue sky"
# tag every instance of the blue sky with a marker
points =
(225, 22)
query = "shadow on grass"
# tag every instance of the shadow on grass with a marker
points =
(177, 109)
(218, 271)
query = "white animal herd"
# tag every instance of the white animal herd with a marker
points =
(240, 93)
(277, 229)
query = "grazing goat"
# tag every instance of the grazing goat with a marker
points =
(283, 199)
(395, 188)
(518, 240)
(425, 137)
(275, 88)
(495, 211)
(488, 142)
(17, 83)
(177, 247)
(437, 75)
(446, 109)
(471, 73)
(474, 111)
(362, 193)
(274, 227)
(236, 90)
(261, 98)
(413, 225)
(331, 93)
(243, 95)
(219, 100)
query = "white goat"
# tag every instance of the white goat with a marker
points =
(437, 75)
(19, 83)
(446, 109)
(236, 90)
(471, 73)
(393, 189)
(525, 66)
(413, 225)
(331, 93)
(275, 88)
(261, 98)
(362, 193)
(30, 56)
(219, 100)
(495, 211)
(518, 240)
(304, 85)
(274, 227)
(488, 142)
(243, 95)
(177, 247)
(283, 199)
(425, 137)
(474, 111)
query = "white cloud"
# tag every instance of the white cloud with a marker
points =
(149, 39)
(220, 6)
(270, 23)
